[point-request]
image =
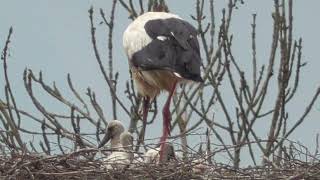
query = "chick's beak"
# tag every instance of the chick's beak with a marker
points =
(106, 138)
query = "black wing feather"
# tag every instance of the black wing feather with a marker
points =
(179, 53)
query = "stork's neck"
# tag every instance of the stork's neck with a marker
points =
(115, 142)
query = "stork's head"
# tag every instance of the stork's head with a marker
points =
(114, 130)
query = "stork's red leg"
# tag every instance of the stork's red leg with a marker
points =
(145, 107)
(166, 121)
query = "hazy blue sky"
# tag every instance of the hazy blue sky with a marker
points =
(53, 36)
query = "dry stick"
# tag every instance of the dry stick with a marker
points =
(154, 111)
(254, 53)
(59, 143)
(261, 97)
(280, 151)
(96, 106)
(32, 147)
(304, 115)
(254, 93)
(250, 108)
(58, 126)
(24, 113)
(96, 52)
(282, 84)
(199, 18)
(224, 108)
(4, 56)
(6, 139)
(135, 95)
(110, 25)
(150, 5)
(176, 104)
(225, 28)
(182, 127)
(132, 8)
(292, 58)
(211, 124)
(45, 138)
(187, 117)
(10, 120)
(285, 70)
(298, 67)
(75, 129)
(243, 114)
(79, 132)
(129, 94)
(145, 108)
(133, 98)
(317, 148)
(54, 92)
(195, 102)
(274, 45)
(141, 7)
(9, 95)
(290, 27)
(97, 132)
(132, 12)
(208, 151)
(204, 116)
(135, 102)
(215, 85)
(212, 28)
(76, 94)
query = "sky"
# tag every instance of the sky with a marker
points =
(54, 37)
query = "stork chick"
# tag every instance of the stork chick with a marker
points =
(162, 50)
(153, 155)
(123, 155)
(114, 130)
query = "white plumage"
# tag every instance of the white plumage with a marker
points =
(123, 155)
(135, 36)
(153, 155)
(114, 130)
(163, 51)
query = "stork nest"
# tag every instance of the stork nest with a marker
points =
(84, 166)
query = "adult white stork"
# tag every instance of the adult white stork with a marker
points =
(162, 50)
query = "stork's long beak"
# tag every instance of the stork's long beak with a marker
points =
(106, 138)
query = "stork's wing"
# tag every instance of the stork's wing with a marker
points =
(174, 47)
